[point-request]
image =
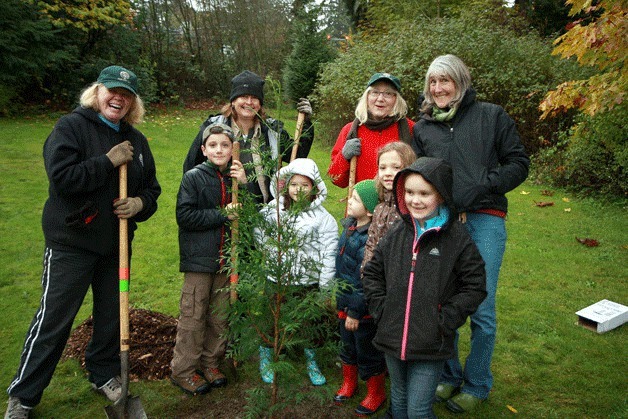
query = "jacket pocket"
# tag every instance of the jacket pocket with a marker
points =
(82, 217)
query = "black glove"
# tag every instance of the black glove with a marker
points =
(305, 107)
(352, 148)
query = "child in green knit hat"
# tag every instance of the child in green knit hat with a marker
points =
(357, 329)
(368, 194)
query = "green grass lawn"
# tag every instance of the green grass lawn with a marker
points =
(545, 365)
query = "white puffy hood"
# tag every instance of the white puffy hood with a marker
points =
(304, 167)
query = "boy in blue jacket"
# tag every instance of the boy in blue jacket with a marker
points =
(425, 278)
(356, 326)
(203, 230)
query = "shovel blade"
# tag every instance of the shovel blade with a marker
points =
(132, 409)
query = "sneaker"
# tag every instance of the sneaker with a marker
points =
(463, 403)
(15, 410)
(214, 377)
(112, 389)
(192, 385)
(444, 392)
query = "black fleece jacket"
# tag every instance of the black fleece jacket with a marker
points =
(482, 145)
(439, 275)
(203, 228)
(83, 182)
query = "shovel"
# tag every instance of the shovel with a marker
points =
(233, 277)
(126, 407)
(353, 165)
(297, 135)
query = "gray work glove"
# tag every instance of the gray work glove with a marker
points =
(121, 153)
(305, 107)
(352, 148)
(127, 207)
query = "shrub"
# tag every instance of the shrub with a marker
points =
(508, 68)
(590, 158)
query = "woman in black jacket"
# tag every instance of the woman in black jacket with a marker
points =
(260, 136)
(425, 277)
(80, 222)
(480, 141)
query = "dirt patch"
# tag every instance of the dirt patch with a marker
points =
(152, 341)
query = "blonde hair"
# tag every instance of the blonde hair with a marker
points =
(406, 154)
(361, 110)
(453, 67)
(89, 99)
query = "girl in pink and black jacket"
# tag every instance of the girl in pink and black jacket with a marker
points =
(425, 278)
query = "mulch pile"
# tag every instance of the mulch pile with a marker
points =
(152, 341)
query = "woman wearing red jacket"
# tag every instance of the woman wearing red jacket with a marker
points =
(380, 118)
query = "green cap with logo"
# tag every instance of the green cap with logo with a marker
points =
(116, 76)
(385, 77)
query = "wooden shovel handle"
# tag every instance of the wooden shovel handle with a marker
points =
(124, 273)
(353, 164)
(297, 135)
(233, 278)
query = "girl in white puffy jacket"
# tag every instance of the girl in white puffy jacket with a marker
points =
(299, 192)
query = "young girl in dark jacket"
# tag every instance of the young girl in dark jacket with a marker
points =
(425, 278)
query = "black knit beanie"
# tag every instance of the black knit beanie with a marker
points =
(247, 83)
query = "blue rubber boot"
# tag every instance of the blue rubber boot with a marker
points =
(268, 375)
(316, 376)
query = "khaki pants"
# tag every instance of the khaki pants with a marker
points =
(201, 332)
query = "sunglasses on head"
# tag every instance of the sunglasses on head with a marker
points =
(220, 129)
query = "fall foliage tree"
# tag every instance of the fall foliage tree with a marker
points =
(600, 43)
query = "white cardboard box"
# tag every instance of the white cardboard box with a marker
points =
(603, 316)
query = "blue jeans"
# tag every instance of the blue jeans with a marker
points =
(489, 234)
(412, 387)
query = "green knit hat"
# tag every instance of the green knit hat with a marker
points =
(368, 194)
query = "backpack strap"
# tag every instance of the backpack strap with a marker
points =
(353, 132)
(404, 131)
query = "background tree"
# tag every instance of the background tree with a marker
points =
(602, 44)
(310, 49)
(27, 50)
(548, 17)
(592, 156)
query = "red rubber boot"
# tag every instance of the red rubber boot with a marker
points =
(375, 396)
(349, 383)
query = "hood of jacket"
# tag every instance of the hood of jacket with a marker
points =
(434, 170)
(304, 167)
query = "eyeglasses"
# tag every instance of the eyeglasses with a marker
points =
(374, 94)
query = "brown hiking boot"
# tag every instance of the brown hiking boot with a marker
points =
(214, 377)
(192, 385)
